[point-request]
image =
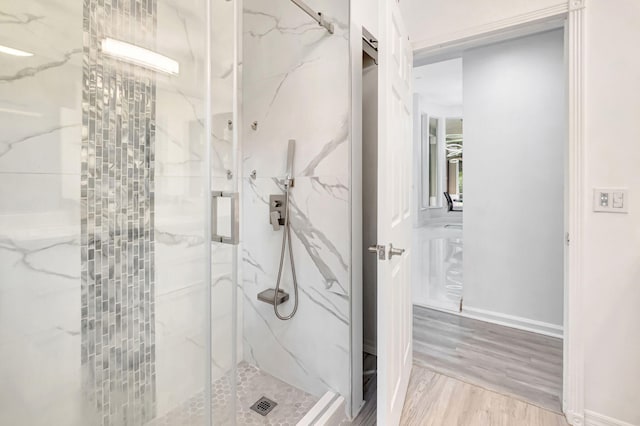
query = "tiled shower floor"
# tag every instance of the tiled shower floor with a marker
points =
(293, 403)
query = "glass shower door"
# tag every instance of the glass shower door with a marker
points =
(226, 213)
(104, 181)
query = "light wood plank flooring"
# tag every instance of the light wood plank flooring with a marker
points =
(437, 400)
(524, 365)
(472, 373)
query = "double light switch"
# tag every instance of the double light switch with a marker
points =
(610, 200)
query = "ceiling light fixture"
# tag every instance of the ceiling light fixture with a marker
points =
(139, 56)
(14, 52)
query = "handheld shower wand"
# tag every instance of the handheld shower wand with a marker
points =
(290, 151)
(286, 238)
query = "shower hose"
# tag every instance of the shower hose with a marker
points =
(286, 240)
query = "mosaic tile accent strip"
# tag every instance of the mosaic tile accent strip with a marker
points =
(252, 384)
(117, 216)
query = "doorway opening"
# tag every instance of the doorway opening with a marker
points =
(490, 142)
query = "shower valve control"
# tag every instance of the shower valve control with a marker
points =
(380, 250)
(277, 206)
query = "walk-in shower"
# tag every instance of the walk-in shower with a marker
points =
(134, 232)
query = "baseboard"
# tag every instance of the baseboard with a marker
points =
(449, 309)
(596, 419)
(512, 321)
(574, 418)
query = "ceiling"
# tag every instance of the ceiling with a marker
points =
(440, 83)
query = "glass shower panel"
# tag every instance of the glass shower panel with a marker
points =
(103, 181)
(224, 151)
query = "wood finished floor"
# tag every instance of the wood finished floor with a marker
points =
(524, 365)
(437, 400)
(368, 414)
(444, 400)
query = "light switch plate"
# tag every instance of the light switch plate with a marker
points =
(611, 200)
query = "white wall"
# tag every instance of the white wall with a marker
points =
(515, 136)
(611, 275)
(610, 243)
(431, 20)
(364, 13)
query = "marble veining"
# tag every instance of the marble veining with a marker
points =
(40, 242)
(6, 146)
(23, 18)
(328, 148)
(26, 256)
(295, 86)
(32, 71)
(278, 26)
(311, 237)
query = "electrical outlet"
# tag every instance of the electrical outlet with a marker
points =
(611, 200)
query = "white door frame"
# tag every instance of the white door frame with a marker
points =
(571, 15)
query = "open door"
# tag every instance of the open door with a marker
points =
(394, 343)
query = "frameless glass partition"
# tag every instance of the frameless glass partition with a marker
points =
(135, 226)
(103, 318)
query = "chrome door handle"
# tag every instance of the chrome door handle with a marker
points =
(395, 251)
(234, 214)
(379, 250)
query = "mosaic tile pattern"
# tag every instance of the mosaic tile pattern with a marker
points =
(252, 384)
(117, 216)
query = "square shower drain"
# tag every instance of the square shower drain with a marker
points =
(263, 406)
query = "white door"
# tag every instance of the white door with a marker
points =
(394, 213)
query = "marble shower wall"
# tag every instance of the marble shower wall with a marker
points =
(296, 86)
(41, 121)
